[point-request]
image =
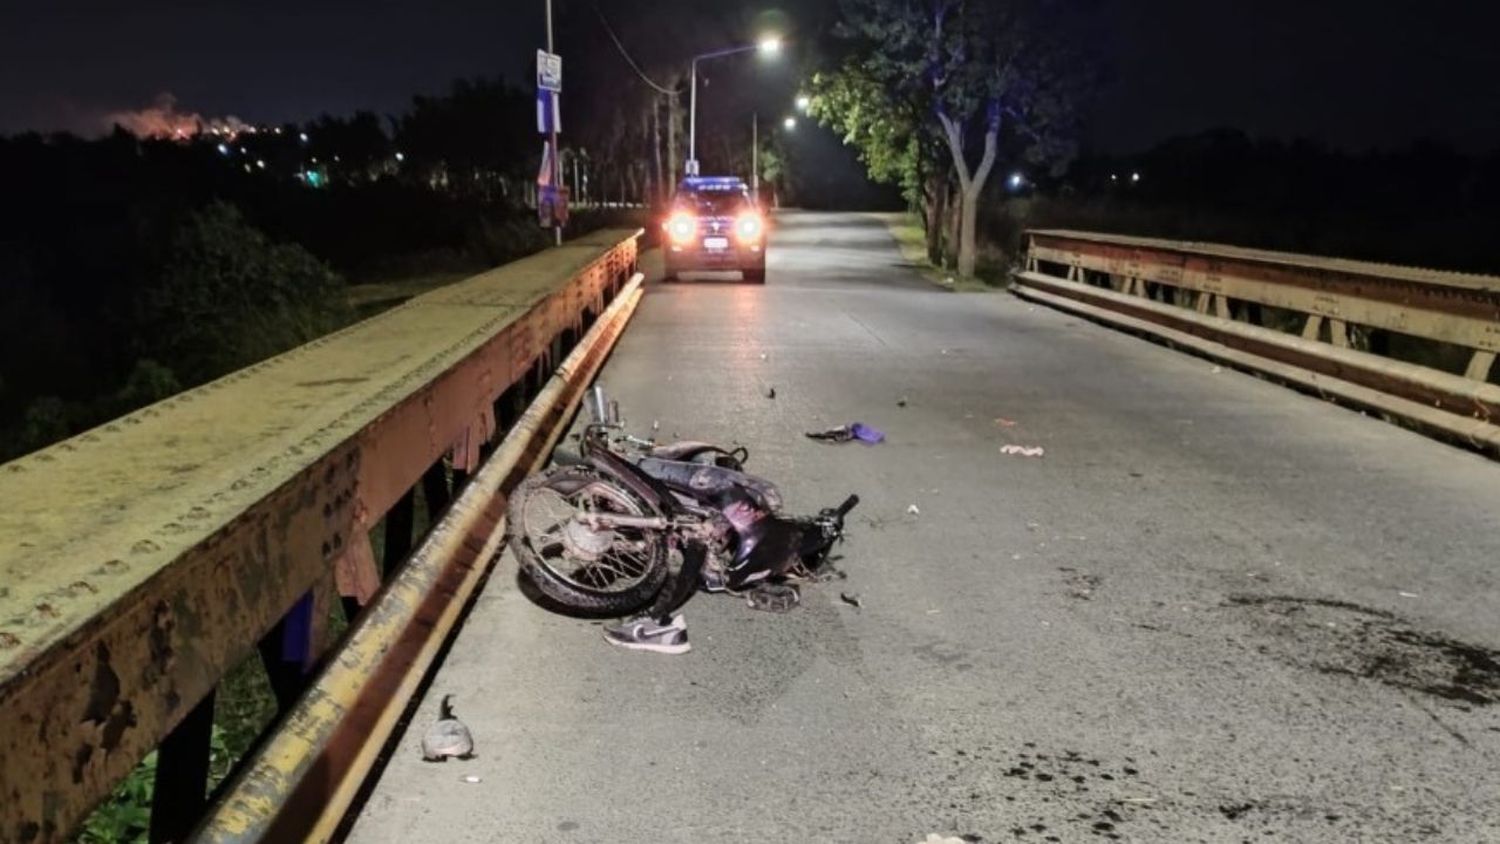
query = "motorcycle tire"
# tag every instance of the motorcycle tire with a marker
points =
(548, 567)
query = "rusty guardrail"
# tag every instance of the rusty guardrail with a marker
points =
(299, 786)
(142, 560)
(1322, 324)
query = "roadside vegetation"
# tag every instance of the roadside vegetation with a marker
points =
(972, 110)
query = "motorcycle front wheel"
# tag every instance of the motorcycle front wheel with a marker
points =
(587, 568)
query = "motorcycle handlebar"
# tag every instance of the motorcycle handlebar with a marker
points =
(849, 504)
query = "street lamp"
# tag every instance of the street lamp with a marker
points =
(789, 123)
(768, 46)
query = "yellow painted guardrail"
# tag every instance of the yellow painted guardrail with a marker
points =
(141, 560)
(1345, 319)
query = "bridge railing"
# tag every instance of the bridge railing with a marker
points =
(1416, 344)
(141, 561)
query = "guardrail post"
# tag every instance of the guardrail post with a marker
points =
(181, 789)
(436, 491)
(398, 527)
(1479, 365)
(1313, 327)
(286, 652)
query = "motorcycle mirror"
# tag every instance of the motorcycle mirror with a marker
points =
(597, 406)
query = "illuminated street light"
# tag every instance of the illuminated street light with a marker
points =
(1016, 180)
(804, 102)
(261, 163)
(789, 123)
(223, 149)
(302, 136)
(1135, 177)
(400, 156)
(769, 45)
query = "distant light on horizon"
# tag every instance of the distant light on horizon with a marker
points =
(400, 156)
(302, 136)
(1135, 177)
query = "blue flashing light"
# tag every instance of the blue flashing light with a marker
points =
(704, 184)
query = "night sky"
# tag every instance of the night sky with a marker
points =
(1351, 72)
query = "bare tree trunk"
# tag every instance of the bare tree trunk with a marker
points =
(937, 212)
(970, 185)
(660, 195)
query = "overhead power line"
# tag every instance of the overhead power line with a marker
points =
(626, 55)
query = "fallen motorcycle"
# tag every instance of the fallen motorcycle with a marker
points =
(596, 533)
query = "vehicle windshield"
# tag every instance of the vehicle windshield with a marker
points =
(714, 204)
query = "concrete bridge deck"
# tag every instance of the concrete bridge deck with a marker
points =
(1216, 609)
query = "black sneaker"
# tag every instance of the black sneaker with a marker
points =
(645, 634)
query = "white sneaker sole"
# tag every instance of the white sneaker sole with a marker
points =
(643, 646)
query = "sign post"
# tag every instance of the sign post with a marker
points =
(551, 195)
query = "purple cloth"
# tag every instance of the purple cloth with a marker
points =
(865, 433)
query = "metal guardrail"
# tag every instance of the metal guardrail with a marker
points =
(1213, 299)
(142, 560)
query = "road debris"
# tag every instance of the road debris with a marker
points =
(851, 598)
(773, 597)
(1005, 423)
(771, 392)
(1023, 450)
(448, 738)
(912, 510)
(1408, 594)
(470, 778)
(901, 402)
(844, 433)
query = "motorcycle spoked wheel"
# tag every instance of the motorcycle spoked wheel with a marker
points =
(590, 570)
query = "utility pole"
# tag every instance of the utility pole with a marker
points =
(755, 156)
(692, 123)
(557, 176)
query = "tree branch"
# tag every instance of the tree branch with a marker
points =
(991, 138)
(954, 136)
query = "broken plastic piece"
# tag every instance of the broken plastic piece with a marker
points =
(912, 510)
(1023, 450)
(851, 598)
(448, 738)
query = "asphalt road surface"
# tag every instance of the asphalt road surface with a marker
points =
(1215, 610)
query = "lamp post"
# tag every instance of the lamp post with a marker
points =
(766, 46)
(789, 123)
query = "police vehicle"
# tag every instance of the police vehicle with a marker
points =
(713, 224)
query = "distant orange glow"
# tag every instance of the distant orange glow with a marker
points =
(162, 119)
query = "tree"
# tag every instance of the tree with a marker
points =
(228, 297)
(992, 73)
(895, 142)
